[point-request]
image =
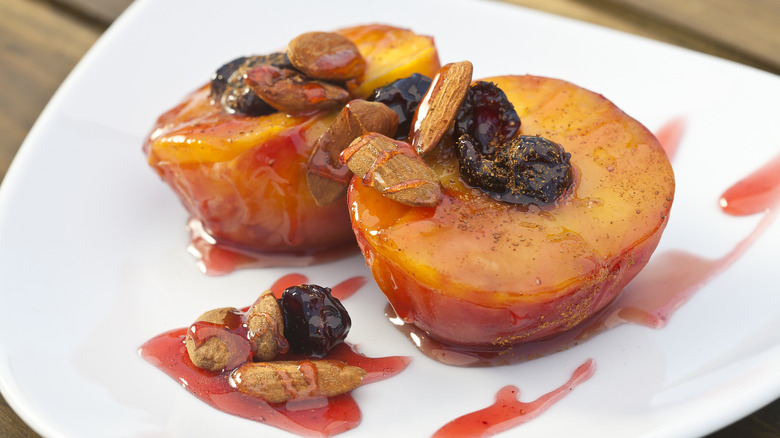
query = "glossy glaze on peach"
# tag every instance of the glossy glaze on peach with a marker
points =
(477, 272)
(244, 177)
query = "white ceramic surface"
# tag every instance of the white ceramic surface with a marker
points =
(92, 244)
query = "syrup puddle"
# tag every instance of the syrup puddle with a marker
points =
(311, 417)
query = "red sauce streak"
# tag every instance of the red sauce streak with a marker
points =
(348, 287)
(670, 135)
(663, 286)
(668, 282)
(508, 412)
(311, 417)
(758, 192)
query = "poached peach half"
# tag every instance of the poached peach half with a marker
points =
(478, 272)
(243, 178)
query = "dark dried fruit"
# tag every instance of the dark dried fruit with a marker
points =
(314, 320)
(228, 86)
(487, 116)
(220, 78)
(526, 170)
(403, 96)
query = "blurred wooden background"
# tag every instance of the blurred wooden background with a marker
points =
(42, 40)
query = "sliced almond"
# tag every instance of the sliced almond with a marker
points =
(265, 326)
(393, 168)
(326, 55)
(326, 176)
(282, 381)
(213, 343)
(438, 109)
(293, 93)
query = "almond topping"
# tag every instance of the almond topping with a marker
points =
(265, 327)
(326, 176)
(293, 93)
(213, 342)
(326, 55)
(393, 168)
(282, 381)
(438, 109)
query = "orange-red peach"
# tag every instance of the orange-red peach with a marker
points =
(473, 271)
(244, 178)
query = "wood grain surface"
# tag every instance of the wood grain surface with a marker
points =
(42, 40)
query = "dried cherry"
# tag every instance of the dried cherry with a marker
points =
(487, 116)
(492, 157)
(525, 170)
(403, 96)
(220, 77)
(314, 320)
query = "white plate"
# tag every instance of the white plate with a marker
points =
(92, 246)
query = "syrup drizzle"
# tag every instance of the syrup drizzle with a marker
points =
(508, 412)
(318, 416)
(756, 193)
(670, 134)
(663, 286)
(308, 417)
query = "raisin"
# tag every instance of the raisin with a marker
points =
(525, 170)
(487, 116)
(403, 96)
(220, 78)
(228, 86)
(314, 320)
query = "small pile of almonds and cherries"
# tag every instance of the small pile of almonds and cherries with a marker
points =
(381, 140)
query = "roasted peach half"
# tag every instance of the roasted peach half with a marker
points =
(475, 271)
(243, 177)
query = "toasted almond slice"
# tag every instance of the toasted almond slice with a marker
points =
(326, 176)
(282, 381)
(438, 109)
(393, 168)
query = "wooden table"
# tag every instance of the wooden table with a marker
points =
(41, 40)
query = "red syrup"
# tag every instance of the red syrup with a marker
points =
(311, 417)
(508, 412)
(217, 258)
(670, 134)
(758, 192)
